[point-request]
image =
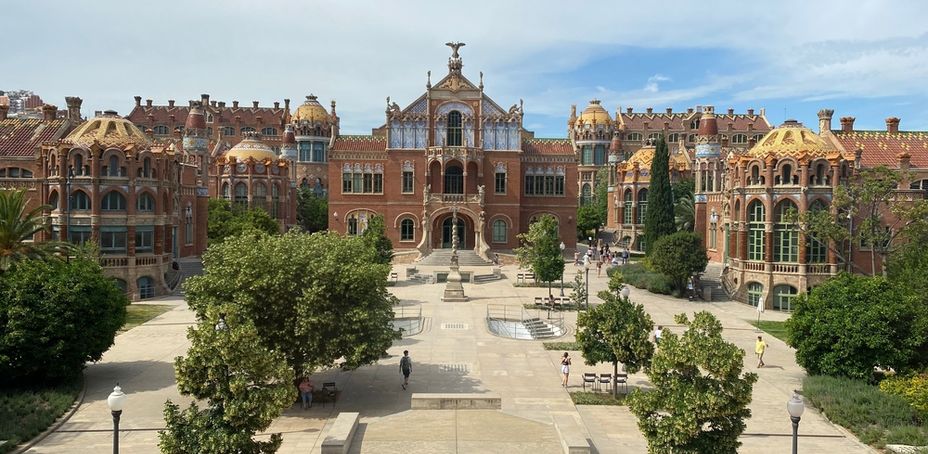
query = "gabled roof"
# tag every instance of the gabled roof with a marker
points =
(883, 148)
(359, 143)
(547, 146)
(681, 120)
(20, 137)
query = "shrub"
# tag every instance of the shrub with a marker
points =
(678, 256)
(914, 389)
(54, 317)
(638, 275)
(850, 324)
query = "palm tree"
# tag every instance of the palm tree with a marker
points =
(17, 227)
(684, 214)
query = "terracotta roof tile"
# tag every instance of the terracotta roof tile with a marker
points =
(359, 143)
(21, 137)
(222, 116)
(678, 121)
(882, 148)
(547, 146)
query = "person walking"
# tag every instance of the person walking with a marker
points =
(625, 256)
(405, 367)
(565, 369)
(599, 268)
(759, 348)
(657, 334)
(306, 393)
(576, 258)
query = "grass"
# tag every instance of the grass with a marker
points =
(136, 314)
(596, 398)
(637, 275)
(775, 329)
(27, 411)
(877, 418)
(563, 346)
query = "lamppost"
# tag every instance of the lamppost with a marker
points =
(625, 291)
(586, 268)
(562, 246)
(795, 407)
(115, 401)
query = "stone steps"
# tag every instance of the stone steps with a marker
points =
(442, 257)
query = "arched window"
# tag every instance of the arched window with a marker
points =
(78, 164)
(627, 215)
(586, 194)
(259, 196)
(599, 155)
(53, 200)
(500, 230)
(113, 169)
(160, 130)
(114, 201)
(146, 287)
(227, 131)
(455, 132)
(819, 176)
(146, 202)
(756, 230)
(785, 235)
(756, 177)
(783, 296)
(673, 137)
(755, 293)
(407, 230)
(241, 195)
(225, 191)
(816, 250)
(653, 137)
(247, 129)
(454, 180)
(694, 124)
(642, 205)
(633, 137)
(80, 200)
(357, 222)
(786, 175)
(145, 171)
(739, 139)
(269, 131)
(691, 138)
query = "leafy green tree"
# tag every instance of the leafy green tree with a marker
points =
(17, 228)
(376, 236)
(700, 397)
(314, 298)
(907, 267)
(659, 218)
(615, 332)
(850, 324)
(312, 211)
(592, 215)
(55, 316)
(679, 256)
(225, 220)
(579, 295)
(245, 385)
(684, 210)
(542, 251)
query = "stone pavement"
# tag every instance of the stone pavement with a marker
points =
(454, 353)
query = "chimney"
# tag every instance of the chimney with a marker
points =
(235, 104)
(138, 101)
(147, 103)
(750, 112)
(254, 104)
(824, 120)
(276, 105)
(731, 111)
(74, 107)
(222, 104)
(4, 109)
(628, 110)
(892, 125)
(170, 103)
(670, 110)
(287, 104)
(204, 99)
(213, 103)
(689, 110)
(847, 124)
(650, 110)
(49, 112)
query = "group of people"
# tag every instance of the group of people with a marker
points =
(603, 257)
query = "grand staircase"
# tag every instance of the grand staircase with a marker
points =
(442, 257)
(711, 278)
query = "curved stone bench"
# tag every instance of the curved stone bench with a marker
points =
(338, 439)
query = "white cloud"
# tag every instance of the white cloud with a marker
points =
(652, 85)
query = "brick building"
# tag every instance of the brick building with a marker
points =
(453, 149)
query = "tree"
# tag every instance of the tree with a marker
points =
(615, 332)
(679, 256)
(245, 385)
(659, 218)
(225, 220)
(579, 296)
(17, 228)
(315, 298)
(850, 324)
(55, 316)
(376, 237)
(684, 210)
(700, 397)
(312, 211)
(593, 214)
(542, 251)
(908, 267)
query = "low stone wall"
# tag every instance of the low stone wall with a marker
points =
(455, 401)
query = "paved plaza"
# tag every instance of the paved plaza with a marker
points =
(454, 353)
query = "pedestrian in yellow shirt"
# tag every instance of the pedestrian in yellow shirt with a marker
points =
(759, 348)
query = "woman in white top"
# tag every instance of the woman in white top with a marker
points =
(565, 369)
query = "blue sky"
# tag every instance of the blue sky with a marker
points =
(865, 59)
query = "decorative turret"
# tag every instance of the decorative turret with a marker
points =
(615, 148)
(288, 145)
(707, 139)
(196, 140)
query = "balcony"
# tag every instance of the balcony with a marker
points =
(456, 198)
(785, 268)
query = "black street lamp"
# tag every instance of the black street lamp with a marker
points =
(586, 267)
(562, 246)
(115, 401)
(795, 407)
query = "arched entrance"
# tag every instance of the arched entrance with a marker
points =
(446, 233)
(441, 236)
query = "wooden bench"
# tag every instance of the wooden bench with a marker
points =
(338, 439)
(455, 401)
(394, 277)
(573, 437)
(524, 277)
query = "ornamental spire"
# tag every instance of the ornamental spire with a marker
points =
(454, 62)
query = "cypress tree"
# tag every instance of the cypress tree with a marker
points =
(659, 219)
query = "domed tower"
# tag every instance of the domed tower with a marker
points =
(313, 129)
(708, 175)
(196, 141)
(251, 175)
(288, 151)
(591, 134)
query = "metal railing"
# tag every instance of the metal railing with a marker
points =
(521, 314)
(400, 312)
